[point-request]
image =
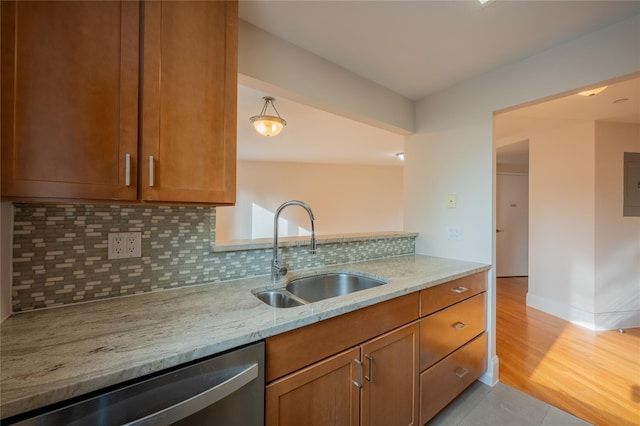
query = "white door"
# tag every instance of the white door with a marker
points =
(512, 225)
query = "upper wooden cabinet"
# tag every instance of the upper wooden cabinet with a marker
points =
(69, 99)
(74, 76)
(189, 90)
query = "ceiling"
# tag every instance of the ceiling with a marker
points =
(398, 44)
(619, 102)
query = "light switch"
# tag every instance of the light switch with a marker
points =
(451, 201)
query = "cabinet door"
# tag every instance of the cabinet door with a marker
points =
(189, 101)
(69, 99)
(390, 388)
(321, 394)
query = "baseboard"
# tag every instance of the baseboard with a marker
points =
(568, 313)
(617, 320)
(592, 321)
(490, 377)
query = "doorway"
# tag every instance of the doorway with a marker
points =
(512, 210)
(512, 224)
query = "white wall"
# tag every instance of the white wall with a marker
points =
(617, 238)
(562, 221)
(344, 199)
(452, 150)
(584, 255)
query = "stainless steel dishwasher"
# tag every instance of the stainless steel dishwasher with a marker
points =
(227, 389)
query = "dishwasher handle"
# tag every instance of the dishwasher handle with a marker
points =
(200, 401)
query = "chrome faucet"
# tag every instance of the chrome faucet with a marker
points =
(278, 270)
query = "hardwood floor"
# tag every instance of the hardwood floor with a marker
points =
(594, 376)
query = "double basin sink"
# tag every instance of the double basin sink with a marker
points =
(301, 291)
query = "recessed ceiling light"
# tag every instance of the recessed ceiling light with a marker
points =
(483, 2)
(592, 92)
(400, 156)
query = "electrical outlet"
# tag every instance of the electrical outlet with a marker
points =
(123, 245)
(454, 233)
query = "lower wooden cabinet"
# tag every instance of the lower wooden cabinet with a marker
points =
(440, 384)
(447, 330)
(321, 394)
(453, 341)
(375, 383)
(390, 385)
(396, 363)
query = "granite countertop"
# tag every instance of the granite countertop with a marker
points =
(55, 354)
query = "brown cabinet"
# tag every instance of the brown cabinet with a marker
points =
(321, 394)
(372, 383)
(390, 385)
(189, 90)
(440, 384)
(74, 76)
(453, 341)
(398, 362)
(69, 99)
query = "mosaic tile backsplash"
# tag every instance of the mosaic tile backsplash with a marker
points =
(60, 253)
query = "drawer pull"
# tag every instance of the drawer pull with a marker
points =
(370, 376)
(461, 372)
(358, 382)
(459, 289)
(459, 325)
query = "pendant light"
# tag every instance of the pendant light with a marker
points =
(268, 125)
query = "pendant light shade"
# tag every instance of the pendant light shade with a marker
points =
(268, 125)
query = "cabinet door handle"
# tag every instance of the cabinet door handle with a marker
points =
(461, 372)
(151, 171)
(127, 170)
(459, 289)
(459, 325)
(358, 382)
(370, 376)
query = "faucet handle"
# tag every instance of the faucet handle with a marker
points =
(277, 270)
(282, 271)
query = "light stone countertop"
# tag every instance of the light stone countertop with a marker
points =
(55, 354)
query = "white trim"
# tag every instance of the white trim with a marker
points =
(490, 377)
(568, 313)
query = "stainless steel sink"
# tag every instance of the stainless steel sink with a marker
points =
(301, 291)
(324, 286)
(278, 299)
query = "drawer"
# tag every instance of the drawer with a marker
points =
(446, 330)
(443, 295)
(440, 384)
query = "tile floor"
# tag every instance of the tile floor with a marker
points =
(501, 405)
